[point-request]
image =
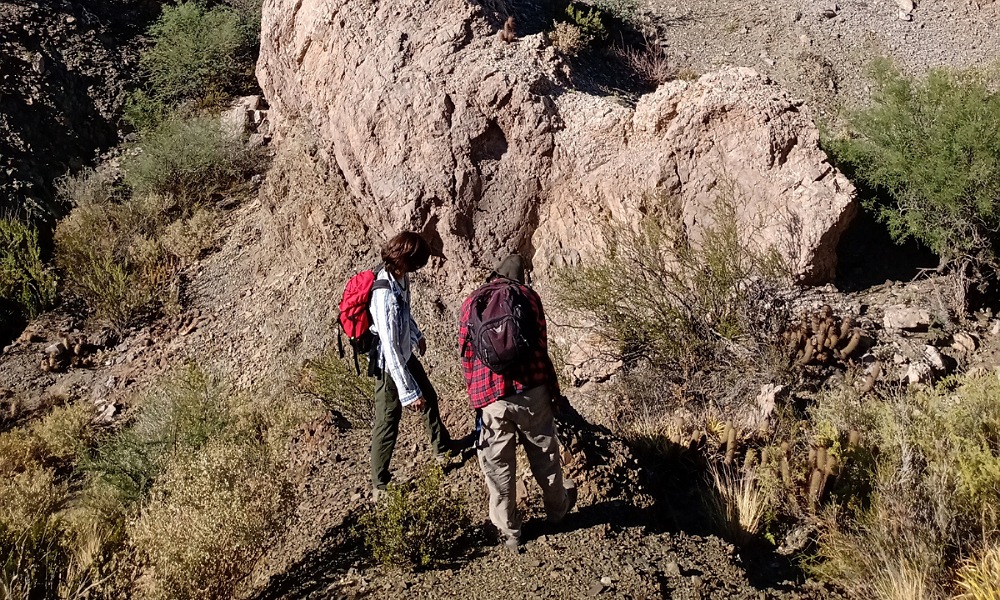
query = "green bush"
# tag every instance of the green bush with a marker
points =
(183, 413)
(107, 249)
(335, 382)
(934, 496)
(931, 148)
(657, 296)
(590, 22)
(25, 281)
(188, 160)
(200, 53)
(418, 523)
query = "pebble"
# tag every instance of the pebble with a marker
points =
(672, 569)
(596, 589)
(606, 580)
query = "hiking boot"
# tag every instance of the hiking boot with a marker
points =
(513, 545)
(571, 494)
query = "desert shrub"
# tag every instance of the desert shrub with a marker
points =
(568, 38)
(144, 112)
(54, 441)
(625, 11)
(200, 53)
(418, 523)
(184, 412)
(187, 159)
(188, 238)
(934, 492)
(210, 516)
(25, 281)
(932, 148)
(657, 296)
(107, 249)
(334, 381)
(648, 61)
(589, 20)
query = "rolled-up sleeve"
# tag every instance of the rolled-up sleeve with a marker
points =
(385, 314)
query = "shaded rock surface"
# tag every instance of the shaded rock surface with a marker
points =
(62, 78)
(437, 126)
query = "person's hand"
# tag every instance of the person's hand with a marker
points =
(422, 346)
(418, 404)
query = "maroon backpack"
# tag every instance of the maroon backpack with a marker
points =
(355, 315)
(501, 325)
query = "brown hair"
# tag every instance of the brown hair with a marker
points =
(405, 252)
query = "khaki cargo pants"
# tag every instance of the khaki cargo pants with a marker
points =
(528, 416)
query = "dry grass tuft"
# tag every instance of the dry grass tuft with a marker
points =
(979, 576)
(739, 504)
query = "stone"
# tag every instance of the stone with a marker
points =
(606, 581)
(965, 342)
(935, 358)
(767, 398)
(596, 589)
(433, 127)
(906, 317)
(905, 16)
(995, 328)
(672, 569)
(905, 6)
(919, 372)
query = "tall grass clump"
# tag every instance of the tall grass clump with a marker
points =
(934, 494)
(930, 150)
(108, 250)
(27, 285)
(210, 516)
(418, 523)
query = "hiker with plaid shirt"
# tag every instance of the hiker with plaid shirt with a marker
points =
(516, 403)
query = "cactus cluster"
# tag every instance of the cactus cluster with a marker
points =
(822, 338)
(822, 466)
(67, 352)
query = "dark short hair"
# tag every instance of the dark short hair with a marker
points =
(405, 252)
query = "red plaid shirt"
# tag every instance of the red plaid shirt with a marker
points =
(486, 387)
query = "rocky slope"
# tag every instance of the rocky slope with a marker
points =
(62, 78)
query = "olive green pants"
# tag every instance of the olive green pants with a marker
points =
(388, 412)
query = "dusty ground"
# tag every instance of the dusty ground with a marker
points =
(820, 49)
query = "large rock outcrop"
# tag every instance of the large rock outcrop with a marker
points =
(438, 125)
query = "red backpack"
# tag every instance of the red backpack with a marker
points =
(355, 315)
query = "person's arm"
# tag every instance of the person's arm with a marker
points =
(543, 342)
(465, 349)
(385, 314)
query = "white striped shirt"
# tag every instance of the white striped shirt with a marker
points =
(398, 334)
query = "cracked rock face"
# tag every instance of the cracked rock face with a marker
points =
(437, 125)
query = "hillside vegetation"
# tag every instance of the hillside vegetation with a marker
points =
(795, 428)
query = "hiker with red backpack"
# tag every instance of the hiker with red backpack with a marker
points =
(393, 344)
(510, 378)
